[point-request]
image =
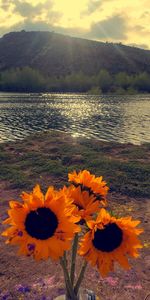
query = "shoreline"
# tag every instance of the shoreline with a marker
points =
(76, 92)
(52, 154)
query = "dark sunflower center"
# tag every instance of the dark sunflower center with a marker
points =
(41, 223)
(89, 190)
(109, 238)
(79, 206)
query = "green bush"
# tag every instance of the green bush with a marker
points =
(27, 79)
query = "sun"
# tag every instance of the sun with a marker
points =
(71, 11)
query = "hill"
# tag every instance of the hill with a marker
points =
(55, 54)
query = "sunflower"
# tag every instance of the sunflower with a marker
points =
(88, 182)
(85, 204)
(41, 226)
(109, 240)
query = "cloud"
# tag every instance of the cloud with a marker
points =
(29, 12)
(138, 28)
(40, 17)
(142, 46)
(5, 4)
(111, 28)
(106, 20)
(31, 25)
(26, 9)
(92, 6)
(145, 14)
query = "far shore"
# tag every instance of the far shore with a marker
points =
(91, 92)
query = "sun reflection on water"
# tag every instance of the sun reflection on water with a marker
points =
(124, 119)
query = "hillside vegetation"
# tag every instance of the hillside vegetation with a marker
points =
(37, 61)
(29, 80)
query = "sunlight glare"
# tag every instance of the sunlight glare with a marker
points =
(70, 10)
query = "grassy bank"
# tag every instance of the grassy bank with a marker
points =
(46, 158)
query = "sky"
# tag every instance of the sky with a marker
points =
(125, 21)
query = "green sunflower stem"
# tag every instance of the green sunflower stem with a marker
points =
(66, 263)
(65, 258)
(73, 258)
(80, 278)
(69, 287)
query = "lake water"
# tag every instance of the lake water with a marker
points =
(110, 118)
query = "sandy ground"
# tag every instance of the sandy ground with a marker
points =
(22, 278)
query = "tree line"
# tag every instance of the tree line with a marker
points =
(30, 80)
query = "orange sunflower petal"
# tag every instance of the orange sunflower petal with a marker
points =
(41, 225)
(112, 242)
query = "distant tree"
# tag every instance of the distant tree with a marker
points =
(104, 80)
(95, 90)
(25, 79)
(76, 82)
(123, 80)
(142, 82)
(30, 80)
(119, 91)
(131, 91)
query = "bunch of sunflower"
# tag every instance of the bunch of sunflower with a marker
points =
(48, 226)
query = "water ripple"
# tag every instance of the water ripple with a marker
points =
(110, 118)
